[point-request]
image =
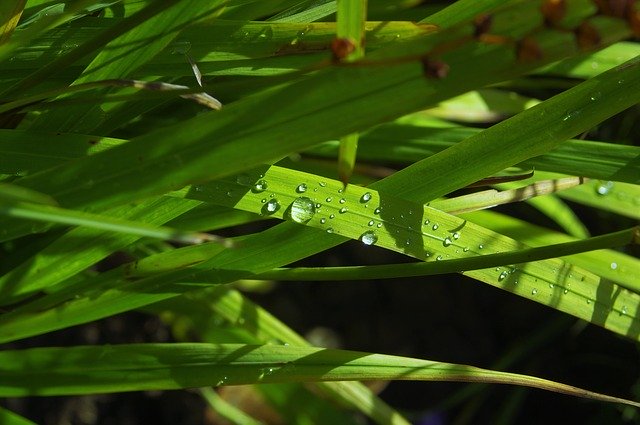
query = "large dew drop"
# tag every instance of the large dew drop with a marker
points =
(302, 210)
(260, 186)
(369, 237)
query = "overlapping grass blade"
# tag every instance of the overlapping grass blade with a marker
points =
(87, 370)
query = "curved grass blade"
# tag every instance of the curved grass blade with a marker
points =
(135, 367)
(609, 264)
(263, 327)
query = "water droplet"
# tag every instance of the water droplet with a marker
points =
(318, 206)
(465, 249)
(272, 206)
(263, 200)
(329, 199)
(456, 236)
(369, 237)
(614, 266)
(229, 194)
(379, 225)
(323, 220)
(342, 200)
(534, 291)
(566, 291)
(260, 186)
(330, 230)
(480, 246)
(197, 188)
(427, 221)
(551, 286)
(439, 258)
(447, 241)
(588, 301)
(365, 198)
(570, 115)
(243, 180)
(370, 223)
(502, 276)
(604, 188)
(340, 190)
(435, 227)
(332, 216)
(302, 210)
(624, 310)
(343, 210)
(322, 184)
(302, 188)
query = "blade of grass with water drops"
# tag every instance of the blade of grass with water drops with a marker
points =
(609, 264)
(424, 233)
(618, 197)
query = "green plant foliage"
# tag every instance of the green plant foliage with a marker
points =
(153, 153)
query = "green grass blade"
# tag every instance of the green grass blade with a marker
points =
(610, 264)
(7, 417)
(87, 370)
(263, 327)
(351, 18)
(620, 198)
(52, 214)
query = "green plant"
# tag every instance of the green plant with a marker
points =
(105, 149)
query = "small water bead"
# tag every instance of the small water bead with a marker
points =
(480, 246)
(260, 186)
(456, 236)
(243, 180)
(566, 291)
(272, 206)
(330, 230)
(342, 200)
(323, 220)
(426, 222)
(624, 310)
(332, 216)
(614, 266)
(435, 227)
(377, 210)
(502, 276)
(302, 188)
(534, 291)
(343, 210)
(379, 225)
(302, 210)
(340, 190)
(229, 194)
(588, 301)
(322, 184)
(329, 199)
(369, 237)
(604, 188)
(370, 223)
(263, 200)
(465, 249)
(439, 258)
(447, 241)
(318, 206)
(197, 188)
(365, 198)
